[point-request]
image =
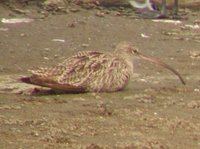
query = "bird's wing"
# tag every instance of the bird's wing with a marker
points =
(82, 68)
(77, 61)
(82, 71)
(71, 74)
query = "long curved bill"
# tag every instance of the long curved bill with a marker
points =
(160, 63)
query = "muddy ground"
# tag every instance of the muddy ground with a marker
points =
(154, 112)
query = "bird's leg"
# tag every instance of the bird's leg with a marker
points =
(163, 8)
(163, 13)
(176, 13)
(175, 10)
(148, 9)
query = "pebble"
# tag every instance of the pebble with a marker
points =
(79, 99)
(195, 54)
(100, 14)
(34, 133)
(46, 58)
(197, 90)
(193, 104)
(85, 45)
(128, 97)
(72, 25)
(74, 10)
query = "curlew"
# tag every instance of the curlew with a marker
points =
(149, 4)
(92, 71)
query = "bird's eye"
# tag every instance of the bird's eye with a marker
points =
(134, 51)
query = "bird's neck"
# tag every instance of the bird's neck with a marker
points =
(128, 59)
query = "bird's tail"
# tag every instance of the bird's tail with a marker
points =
(25, 79)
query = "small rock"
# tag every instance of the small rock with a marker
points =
(46, 58)
(54, 2)
(118, 13)
(17, 107)
(100, 14)
(20, 11)
(85, 45)
(193, 104)
(128, 97)
(58, 40)
(47, 50)
(74, 10)
(102, 109)
(138, 112)
(5, 107)
(79, 99)
(23, 35)
(72, 25)
(143, 35)
(93, 146)
(195, 54)
(34, 133)
(197, 22)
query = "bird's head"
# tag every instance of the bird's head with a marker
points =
(127, 50)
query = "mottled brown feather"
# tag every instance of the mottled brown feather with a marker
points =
(85, 71)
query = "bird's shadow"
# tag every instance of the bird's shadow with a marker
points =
(37, 91)
(155, 14)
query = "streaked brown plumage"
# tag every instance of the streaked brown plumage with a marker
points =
(91, 71)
